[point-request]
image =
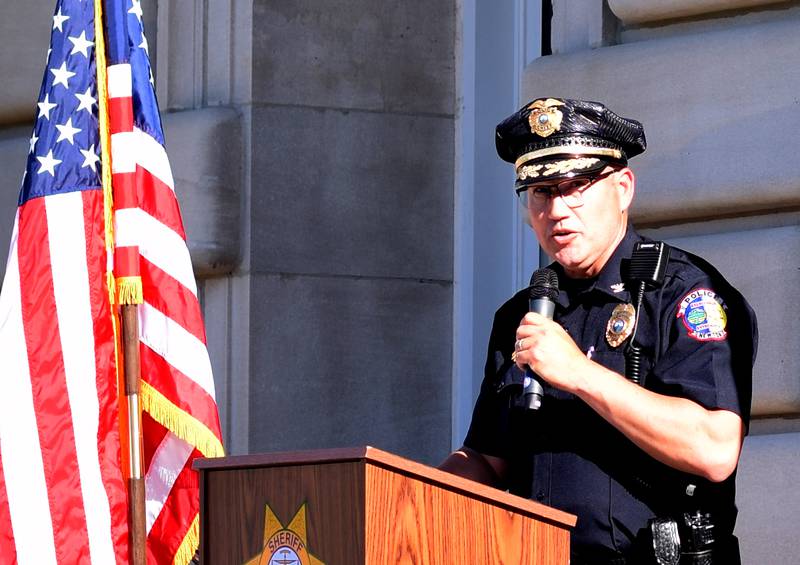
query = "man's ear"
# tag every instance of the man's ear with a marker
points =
(626, 185)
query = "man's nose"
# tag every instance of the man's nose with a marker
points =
(557, 208)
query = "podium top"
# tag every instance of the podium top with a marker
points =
(397, 464)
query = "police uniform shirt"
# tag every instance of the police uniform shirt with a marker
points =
(699, 338)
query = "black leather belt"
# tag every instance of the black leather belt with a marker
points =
(611, 561)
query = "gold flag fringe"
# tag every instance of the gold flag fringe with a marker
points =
(130, 290)
(189, 429)
(105, 176)
(189, 544)
(105, 135)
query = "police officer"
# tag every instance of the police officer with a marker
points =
(647, 464)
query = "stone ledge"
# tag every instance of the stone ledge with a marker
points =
(768, 498)
(205, 149)
(13, 154)
(646, 11)
(762, 264)
(25, 28)
(719, 110)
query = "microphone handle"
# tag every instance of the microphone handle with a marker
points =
(532, 391)
(543, 306)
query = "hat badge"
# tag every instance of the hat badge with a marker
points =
(545, 117)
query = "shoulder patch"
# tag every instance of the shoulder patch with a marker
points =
(703, 315)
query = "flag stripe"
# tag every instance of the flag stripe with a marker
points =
(136, 147)
(178, 347)
(67, 237)
(108, 438)
(152, 156)
(176, 516)
(126, 261)
(8, 552)
(172, 299)
(168, 461)
(50, 395)
(120, 81)
(120, 111)
(155, 433)
(146, 191)
(23, 468)
(157, 243)
(123, 152)
(158, 199)
(125, 190)
(178, 388)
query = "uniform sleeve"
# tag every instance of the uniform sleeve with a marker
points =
(489, 431)
(710, 336)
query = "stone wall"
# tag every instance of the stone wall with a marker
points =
(351, 214)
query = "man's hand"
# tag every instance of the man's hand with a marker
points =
(550, 352)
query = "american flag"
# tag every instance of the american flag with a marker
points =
(63, 462)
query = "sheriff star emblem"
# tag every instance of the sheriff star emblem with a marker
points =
(285, 545)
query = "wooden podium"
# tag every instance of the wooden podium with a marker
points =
(365, 506)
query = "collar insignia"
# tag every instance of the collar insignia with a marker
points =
(618, 287)
(545, 117)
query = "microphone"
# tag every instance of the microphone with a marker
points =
(543, 293)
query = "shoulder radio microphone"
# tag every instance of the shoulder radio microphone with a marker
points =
(647, 268)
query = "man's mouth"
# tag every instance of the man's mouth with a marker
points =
(562, 236)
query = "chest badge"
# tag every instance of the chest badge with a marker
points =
(620, 325)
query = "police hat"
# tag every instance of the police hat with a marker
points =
(558, 137)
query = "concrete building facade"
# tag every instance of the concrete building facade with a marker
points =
(353, 231)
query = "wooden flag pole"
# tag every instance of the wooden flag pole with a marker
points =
(130, 344)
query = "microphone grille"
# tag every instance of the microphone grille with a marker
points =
(544, 284)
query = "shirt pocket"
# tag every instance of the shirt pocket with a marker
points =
(613, 359)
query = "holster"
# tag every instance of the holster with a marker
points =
(667, 548)
(666, 541)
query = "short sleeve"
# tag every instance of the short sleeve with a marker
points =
(709, 349)
(490, 431)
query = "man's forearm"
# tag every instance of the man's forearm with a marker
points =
(675, 431)
(470, 464)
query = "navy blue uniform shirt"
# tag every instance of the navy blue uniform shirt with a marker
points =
(699, 336)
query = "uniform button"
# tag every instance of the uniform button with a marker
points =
(540, 495)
